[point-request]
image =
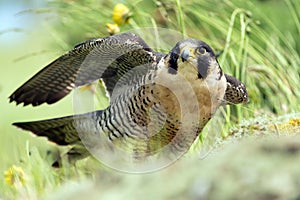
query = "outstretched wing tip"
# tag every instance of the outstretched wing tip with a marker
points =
(35, 98)
(58, 78)
(12, 98)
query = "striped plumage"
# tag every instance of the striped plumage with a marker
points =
(159, 103)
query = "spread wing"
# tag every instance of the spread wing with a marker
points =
(108, 58)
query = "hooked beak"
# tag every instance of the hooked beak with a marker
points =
(186, 54)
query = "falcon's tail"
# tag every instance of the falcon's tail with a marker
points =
(59, 130)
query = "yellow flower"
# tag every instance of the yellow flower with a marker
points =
(112, 28)
(121, 14)
(14, 176)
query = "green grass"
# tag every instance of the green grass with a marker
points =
(256, 41)
(251, 46)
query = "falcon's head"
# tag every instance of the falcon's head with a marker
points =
(193, 58)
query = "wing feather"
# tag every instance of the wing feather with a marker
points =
(108, 58)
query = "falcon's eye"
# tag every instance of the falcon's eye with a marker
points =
(201, 50)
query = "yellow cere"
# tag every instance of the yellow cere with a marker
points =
(14, 176)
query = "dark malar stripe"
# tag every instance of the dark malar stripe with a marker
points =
(172, 64)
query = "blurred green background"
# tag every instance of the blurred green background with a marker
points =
(257, 41)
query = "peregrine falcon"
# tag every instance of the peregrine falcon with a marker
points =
(158, 102)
